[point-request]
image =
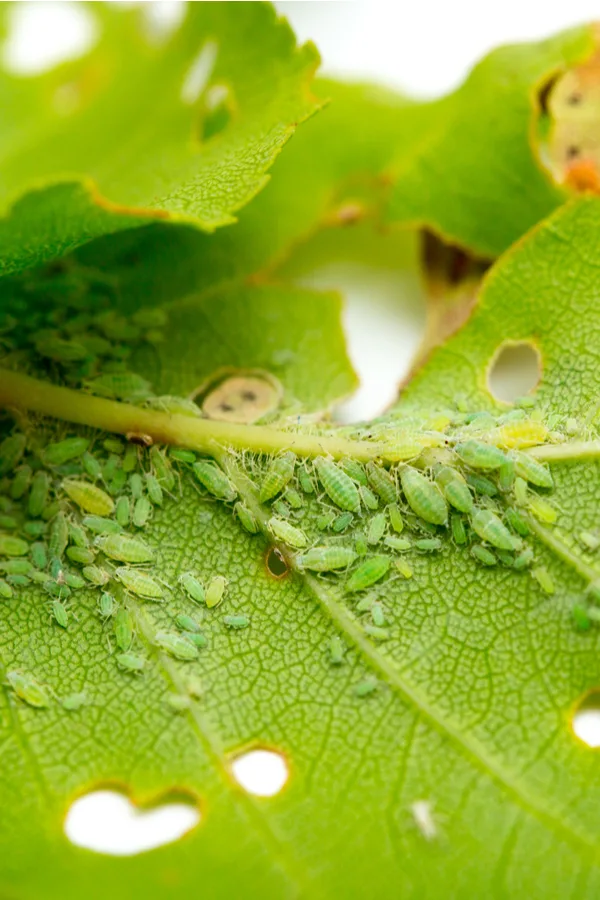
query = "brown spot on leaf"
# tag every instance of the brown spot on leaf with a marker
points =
(243, 396)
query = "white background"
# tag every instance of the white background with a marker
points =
(423, 47)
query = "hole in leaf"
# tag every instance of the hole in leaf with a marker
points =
(586, 719)
(29, 51)
(275, 563)
(261, 772)
(515, 371)
(198, 74)
(108, 822)
(244, 397)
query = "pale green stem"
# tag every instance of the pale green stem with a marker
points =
(563, 551)
(574, 452)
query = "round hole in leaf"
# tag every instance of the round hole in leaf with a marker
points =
(515, 370)
(275, 563)
(239, 396)
(261, 772)
(586, 719)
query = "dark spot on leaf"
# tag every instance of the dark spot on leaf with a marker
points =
(275, 563)
(573, 152)
(574, 99)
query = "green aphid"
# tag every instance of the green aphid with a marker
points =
(370, 500)
(360, 544)
(56, 590)
(293, 498)
(325, 520)
(429, 545)
(61, 350)
(278, 475)
(73, 702)
(60, 614)
(39, 557)
(38, 495)
(113, 445)
(117, 482)
(18, 580)
(130, 459)
(122, 511)
(162, 469)
(91, 466)
(28, 689)
(56, 569)
(179, 702)
(506, 557)
(458, 529)
(196, 638)
(130, 662)
(38, 577)
(174, 406)
(424, 497)
(396, 520)
(376, 530)
(289, 534)
(51, 510)
(139, 583)
(236, 623)
(6, 591)
(589, 540)
(123, 627)
(478, 455)
(377, 615)
(542, 510)
(155, 493)
(454, 488)
(11, 451)
(13, 546)
(95, 345)
(110, 467)
(136, 485)
(20, 482)
(365, 688)
(15, 566)
(77, 535)
(281, 509)
(82, 556)
(88, 497)
(368, 572)
(119, 385)
(544, 579)
(483, 555)
(404, 568)
(397, 543)
(378, 634)
(531, 470)
(73, 581)
(186, 623)
(341, 522)
(355, 470)
(95, 575)
(176, 645)
(181, 455)
(8, 522)
(521, 492)
(214, 480)
(482, 485)
(59, 537)
(215, 590)
(247, 519)
(339, 487)
(34, 529)
(506, 476)
(516, 522)
(524, 559)
(305, 481)
(124, 548)
(142, 510)
(107, 605)
(326, 559)
(193, 588)
(62, 451)
(336, 651)
(382, 482)
(490, 528)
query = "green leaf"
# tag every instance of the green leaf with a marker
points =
(130, 145)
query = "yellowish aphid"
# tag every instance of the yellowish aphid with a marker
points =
(176, 645)
(404, 568)
(28, 689)
(544, 579)
(542, 510)
(215, 590)
(521, 433)
(124, 548)
(88, 497)
(289, 534)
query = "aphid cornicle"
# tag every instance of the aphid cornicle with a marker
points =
(338, 486)
(382, 482)
(454, 488)
(28, 689)
(124, 548)
(277, 476)
(176, 645)
(139, 583)
(531, 470)
(289, 534)
(326, 559)
(214, 480)
(193, 588)
(424, 497)
(490, 528)
(369, 572)
(88, 497)
(478, 455)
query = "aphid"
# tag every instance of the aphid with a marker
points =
(478, 455)
(193, 588)
(18, 580)
(531, 470)
(281, 509)
(424, 498)
(77, 535)
(458, 529)
(106, 605)
(95, 575)
(454, 488)
(214, 480)
(377, 615)
(382, 482)
(56, 590)
(50, 510)
(376, 529)
(154, 489)
(130, 458)
(277, 476)
(11, 450)
(34, 529)
(20, 482)
(6, 591)
(186, 623)
(101, 525)
(490, 528)
(59, 537)
(12, 546)
(289, 534)
(236, 622)
(506, 476)
(430, 545)
(38, 555)
(56, 570)
(61, 350)
(521, 492)
(341, 522)
(73, 702)
(543, 578)
(124, 548)
(8, 522)
(176, 645)
(524, 559)
(113, 445)
(182, 455)
(360, 544)
(365, 604)
(38, 495)
(62, 451)
(506, 558)
(88, 497)
(73, 581)
(122, 511)
(355, 470)
(294, 499)
(142, 510)
(28, 689)
(482, 485)
(162, 469)
(542, 510)
(590, 541)
(130, 662)
(247, 519)
(91, 466)
(365, 688)
(326, 559)
(61, 616)
(325, 520)
(119, 385)
(397, 543)
(215, 590)
(370, 500)
(306, 482)
(378, 634)
(396, 520)
(422, 814)
(136, 485)
(516, 522)
(83, 556)
(368, 572)
(336, 651)
(179, 702)
(15, 566)
(483, 555)
(197, 638)
(123, 628)
(339, 487)
(404, 568)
